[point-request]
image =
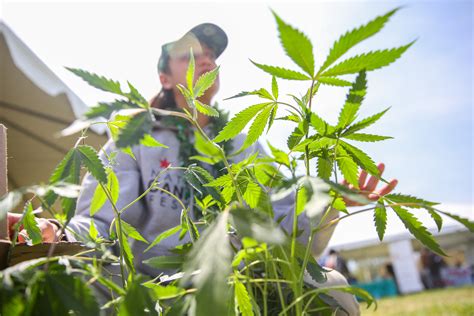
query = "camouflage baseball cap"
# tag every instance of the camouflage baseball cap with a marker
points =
(210, 34)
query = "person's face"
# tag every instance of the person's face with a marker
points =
(204, 61)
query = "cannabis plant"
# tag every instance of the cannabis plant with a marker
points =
(238, 259)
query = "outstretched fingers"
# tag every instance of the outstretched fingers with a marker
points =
(362, 178)
(373, 181)
(386, 189)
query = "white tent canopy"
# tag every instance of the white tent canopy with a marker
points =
(35, 105)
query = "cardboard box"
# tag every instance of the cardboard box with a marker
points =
(21, 252)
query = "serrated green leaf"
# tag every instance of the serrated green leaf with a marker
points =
(91, 160)
(361, 137)
(297, 45)
(166, 292)
(368, 61)
(297, 135)
(68, 170)
(348, 167)
(97, 81)
(348, 193)
(150, 141)
(360, 158)
(205, 109)
(212, 292)
(238, 122)
(263, 93)
(165, 262)
(29, 222)
(106, 109)
(131, 232)
(301, 199)
(93, 232)
(364, 123)
(274, 87)
(135, 95)
(252, 192)
(466, 222)
(417, 229)
(436, 217)
(324, 167)
(71, 295)
(353, 101)
(187, 96)
(167, 233)
(279, 155)
(256, 225)
(99, 197)
(334, 81)
(198, 177)
(206, 148)
(135, 130)
(222, 181)
(137, 300)
(409, 200)
(242, 298)
(339, 204)
(127, 250)
(380, 219)
(204, 159)
(257, 127)
(272, 116)
(205, 81)
(282, 72)
(321, 126)
(355, 36)
(190, 71)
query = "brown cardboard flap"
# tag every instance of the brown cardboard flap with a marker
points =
(3, 177)
(23, 252)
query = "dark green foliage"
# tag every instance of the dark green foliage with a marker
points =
(135, 130)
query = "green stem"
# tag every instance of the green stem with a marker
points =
(185, 210)
(120, 234)
(146, 191)
(291, 106)
(280, 292)
(226, 162)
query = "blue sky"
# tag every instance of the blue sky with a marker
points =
(429, 88)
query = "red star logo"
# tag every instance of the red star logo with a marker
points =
(164, 163)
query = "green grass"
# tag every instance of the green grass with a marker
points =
(450, 301)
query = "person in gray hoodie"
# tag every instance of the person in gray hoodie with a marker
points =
(159, 211)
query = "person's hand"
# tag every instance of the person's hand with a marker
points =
(49, 231)
(368, 187)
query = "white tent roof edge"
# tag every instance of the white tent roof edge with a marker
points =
(41, 75)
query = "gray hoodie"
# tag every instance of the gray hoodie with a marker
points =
(158, 211)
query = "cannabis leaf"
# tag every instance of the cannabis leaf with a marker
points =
(97, 81)
(297, 45)
(355, 36)
(380, 219)
(211, 256)
(135, 130)
(353, 101)
(282, 72)
(417, 229)
(368, 61)
(238, 122)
